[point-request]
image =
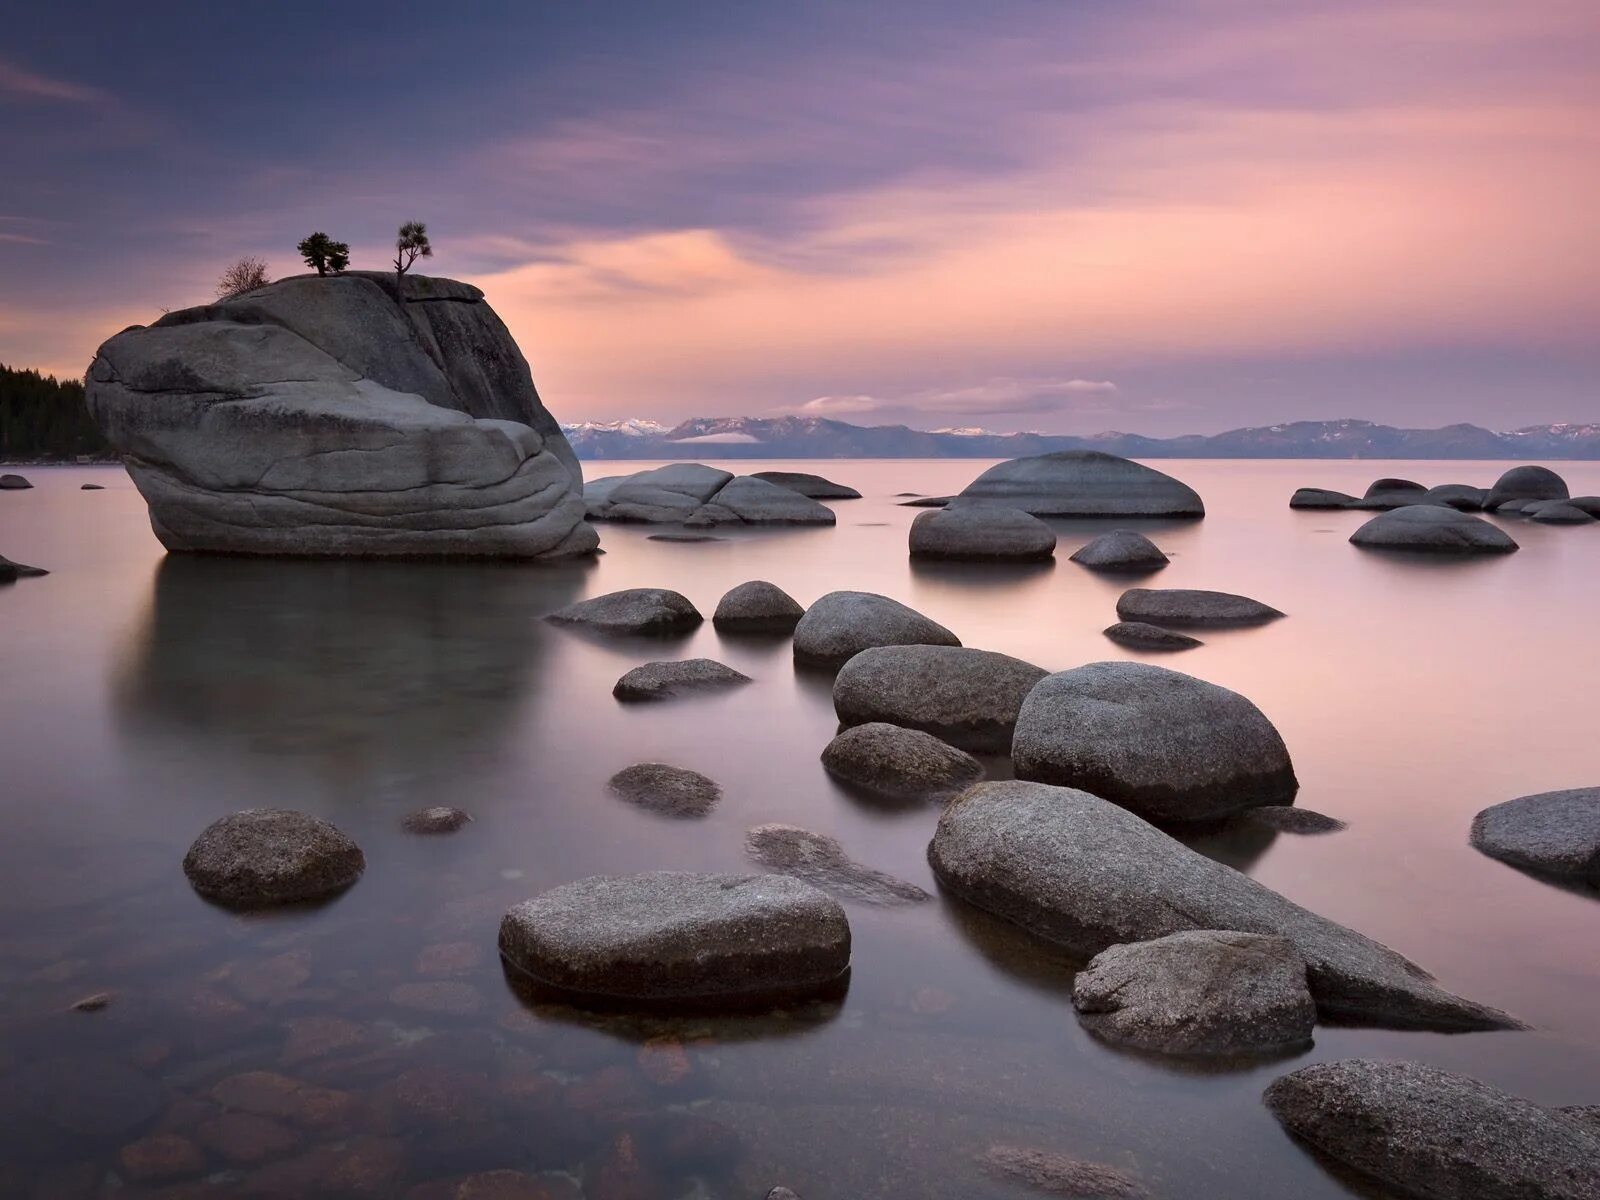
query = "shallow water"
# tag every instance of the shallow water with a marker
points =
(143, 696)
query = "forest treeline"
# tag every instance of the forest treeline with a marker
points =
(42, 417)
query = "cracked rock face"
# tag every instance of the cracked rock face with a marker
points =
(326, 416)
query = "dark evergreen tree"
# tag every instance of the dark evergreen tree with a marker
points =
(45, 418)
(324, 254)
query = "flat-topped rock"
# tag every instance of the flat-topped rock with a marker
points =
(1433, 530)
(981, 533)
(1164, 744)
(1550, 833)
(814, 486)
(967, 697)
(1433, 1134)
(267, 856)
(903, 764)
(1140, 635)
(1192, 608)
(1526, 483)
(659, 680)
(1121, 550)
(1084, 873)
(1557, 512)
(821, 861)
(842, 624)
(635, 610)
(694, 494)
(1084, 483)
(664, 789)
(1199, 992)
(1315, 497)
(14, 483)
(678, 935)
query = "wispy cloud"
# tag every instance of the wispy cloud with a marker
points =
(1001, 396)
(16, 80)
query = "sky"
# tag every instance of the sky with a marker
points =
(1061, 215)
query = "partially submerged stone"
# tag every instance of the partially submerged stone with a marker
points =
(1319, 498)
(694, 494)
(1558, 512)
(1550, 833)
(820, 860)
(14, 483)
(659, 680)
(1084, 483)
(1121, 550)
(10, 571)
(1056, 1174)
(814, 486)
(267, 856)
(1286, 818)
(842, 624)
(1526, 483)
(981, 533)
(1433, 530)
(634, 610)
(903, 764)
(1141, 635)
(1461, 496)
(668, 790)
(1192, 608)
(964, 696)
(438, 819)
(757, 607)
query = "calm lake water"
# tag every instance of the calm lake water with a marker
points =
(143, 696)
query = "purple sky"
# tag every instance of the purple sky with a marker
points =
(1157, 217)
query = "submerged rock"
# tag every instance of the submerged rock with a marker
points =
(1084, 483)
(1082, 872)
(1314, 497)
(1192, 608)
(821, 860)
(814, 486)
(967, 697)
(670, 791)
(658, 680)
(1458, 495)
(1059, 1174)
(1140, 635)
(677, 935)
(1199, 992)
(1526, 483)
(1164, 744)
(439, 819)
(267, 856)
(842, 624)
(900, 763)
(1588, 504)
(981, 533)
(1433, 1134)
(1435, 530)
(1286, 818)
(757, 607)
(14, 483)
(10, 571)
(1121, 550)
(635, 610)
(1558, 512)
(686, 538)
(1551, 833)
(695, 494)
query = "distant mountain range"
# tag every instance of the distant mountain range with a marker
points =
(817, 437)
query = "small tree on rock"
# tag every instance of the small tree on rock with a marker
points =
(410, 245)
(322, 252)
(243, 276)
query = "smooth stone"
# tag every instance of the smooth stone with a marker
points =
(670, 791)
(1192, 608)
(900, 763)
(1140, 635)
(1514, 507)
(1549, 833)
(1084, 483)
(842, 624)
(1121, 550)
(1316, 498)
(267, 856)
(782, 1193)
(1199, 992)
(1286, 818)
(927, 502)
(969, 698)
(1059, 1174)
(1392, 493)
(92, 487)
(439, 819)
(635, 610)
(1166, 745)
(1558, 512)
(981, 533)
(678, 935)
(694, 494)
(13, 483)
(1588, 504)
(658, 680)
(1434, 530)
(814, 486)
(1436, 1135)
(1458, 495)
(684, 537)
(757, 502)
(757, 607)
(1086, 874)
(14, 570)
(1526, 483)
(821, 861)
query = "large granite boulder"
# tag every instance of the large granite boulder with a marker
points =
(1551, 833)
(697, 495)
(1199, 992)
(1192, 608)
(632, 610)
(1526, 483)
(1121, 550)
(842, 624)
(1435, 1135)
(902, 764)
(329, 416)
(1083, 483)
(677, 935)
(981, 533)
(757, 607)
(806, 484)
(1081, 872)
(1433, 530)
(1164, 744)
(967, 697)
(260, 857)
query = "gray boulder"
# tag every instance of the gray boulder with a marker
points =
(1392, 493)
(1588, 504)
(266, 856)
(1558, 512)
(821, 861)
(1080, 871)
(14, 483)
(1433, 530)
(1121, 550)
(757, 607)
(1314, 497)
(1551, 833)
(694, 494)
(969, 698)
(438, 819)
(676, 935)
(635, 610)
(756, 502)
(658, 680)
(981, 533)
(904, 764)
(1199, 992)
(1139, 635)
(1084, 483)
(1166, 745)
(842, 624)
(325, 416)
(814, 486)
(1436, 1135)
(1192, 608)
(1458, 495)
(1526, 483)
(667, 790)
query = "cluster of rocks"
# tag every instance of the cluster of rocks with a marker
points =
(695, 495)
(1150, 617)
